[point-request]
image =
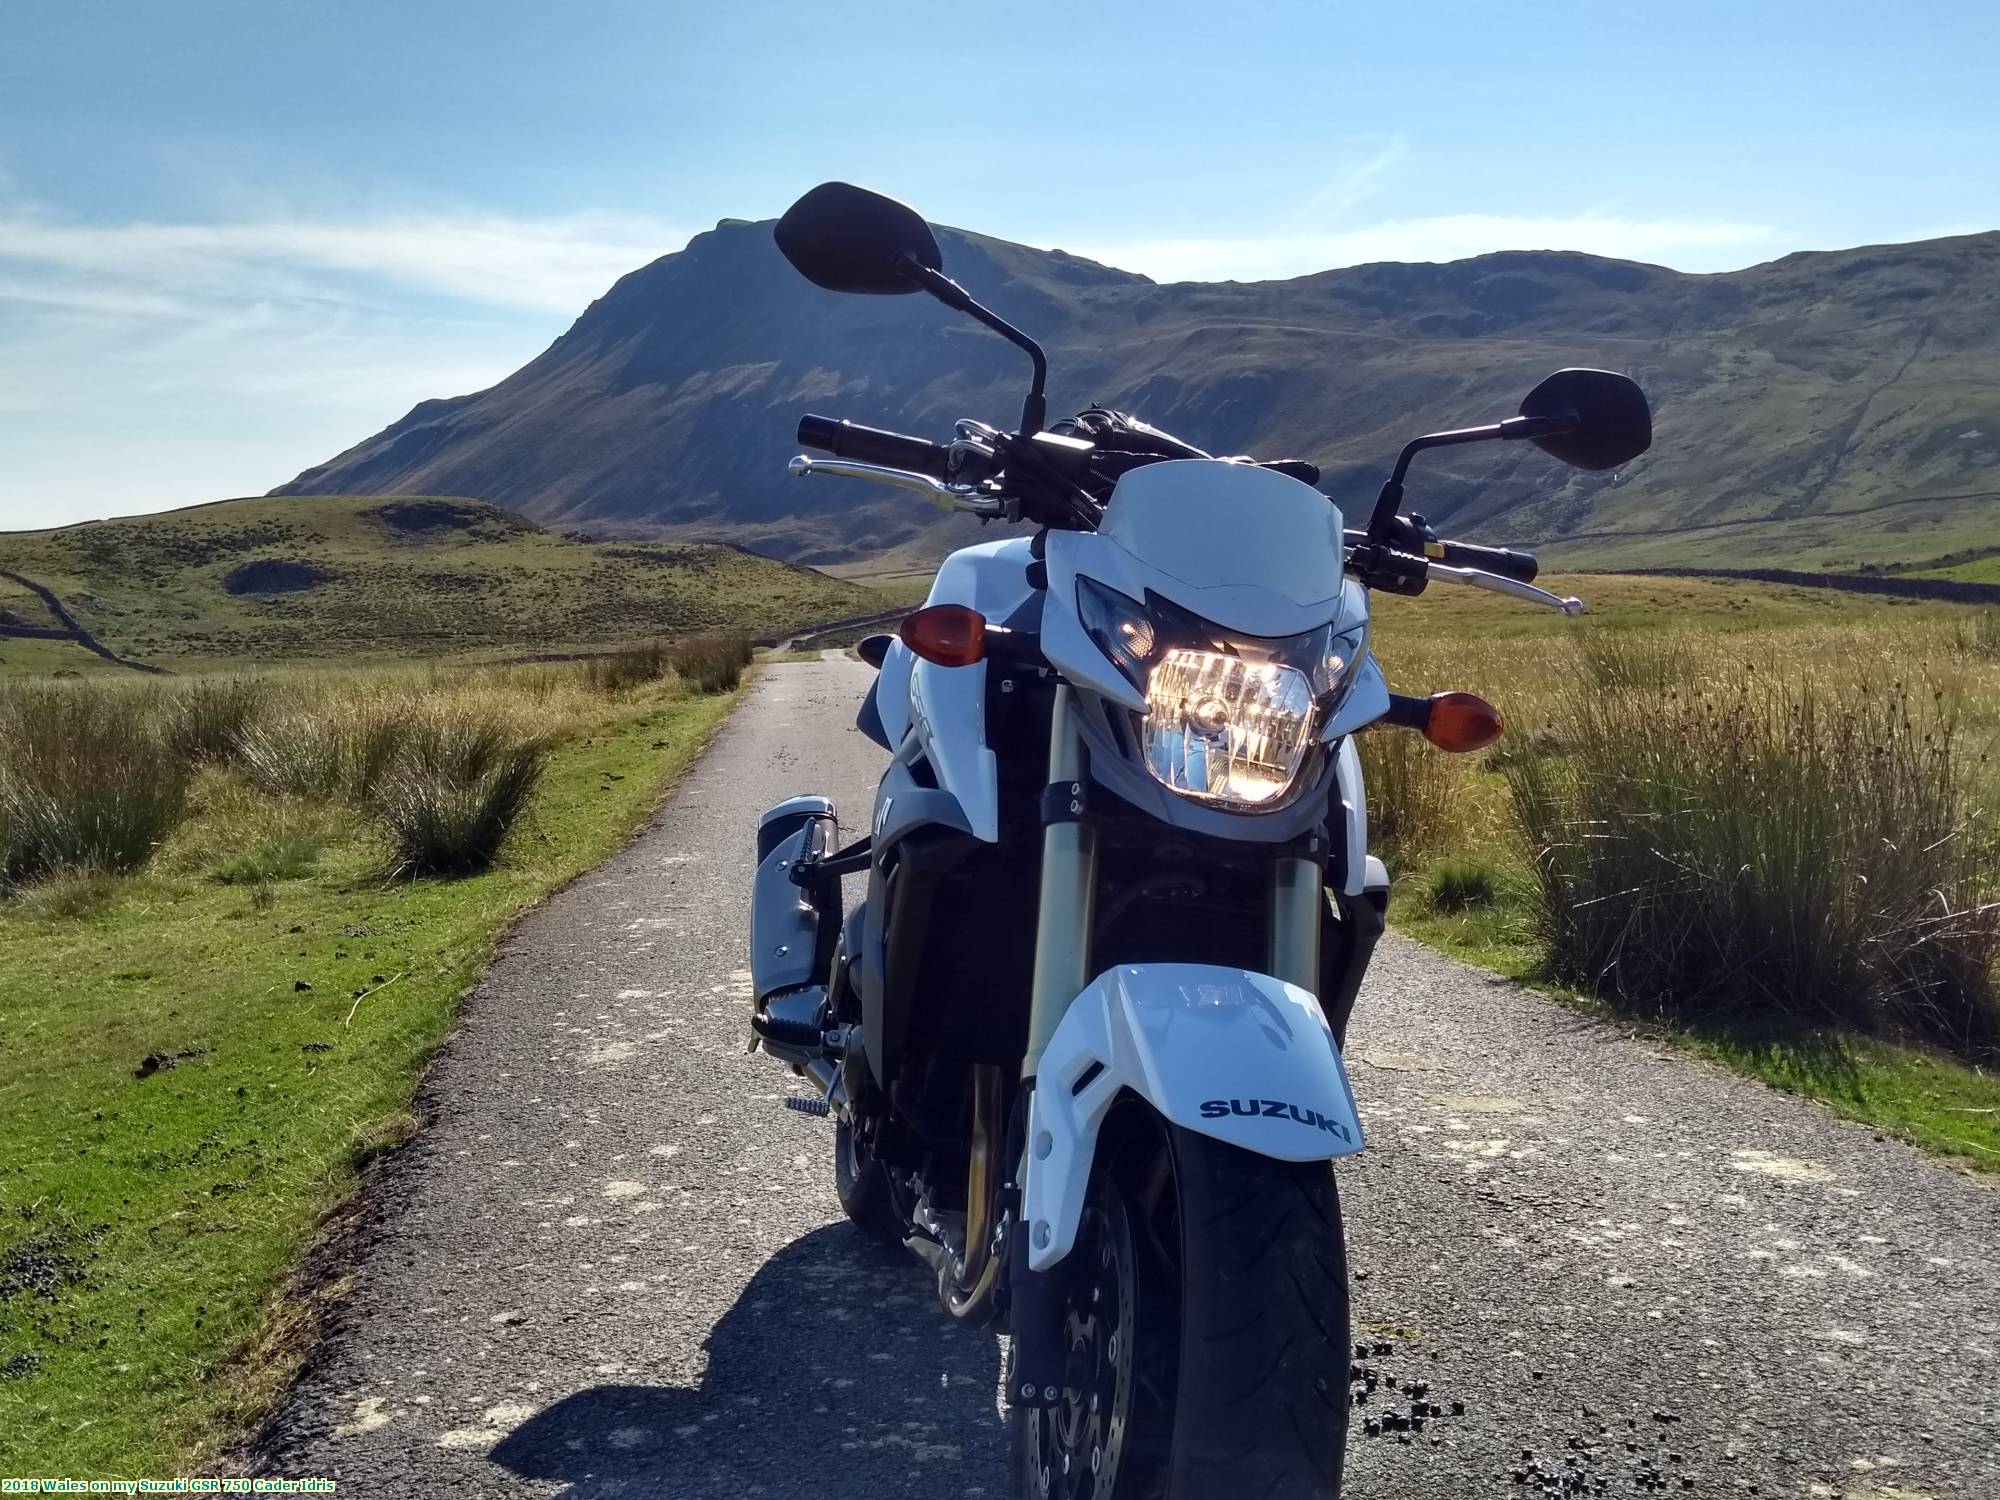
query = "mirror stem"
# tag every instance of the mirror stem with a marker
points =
(1512, 429)
(1035, 409)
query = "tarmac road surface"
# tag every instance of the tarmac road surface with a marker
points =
(613, 1264)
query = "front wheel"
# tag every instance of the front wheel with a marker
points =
(1208, 1328)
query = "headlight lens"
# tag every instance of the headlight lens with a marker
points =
(1222, 729)
(1230, 719)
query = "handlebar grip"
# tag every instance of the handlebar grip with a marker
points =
(1519, 566)
(871, 445)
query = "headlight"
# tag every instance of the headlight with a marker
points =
(1230, 719)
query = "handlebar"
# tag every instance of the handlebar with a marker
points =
(914, 455)
(872, 445)
(1519, 566)
(1522, 567)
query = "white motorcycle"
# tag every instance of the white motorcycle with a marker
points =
(1081, 1041)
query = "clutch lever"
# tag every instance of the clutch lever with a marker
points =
(1494, 583)
(952, 496)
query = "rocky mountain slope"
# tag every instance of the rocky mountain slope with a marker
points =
(1839, 408)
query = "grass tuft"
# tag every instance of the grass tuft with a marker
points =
(1456, 885)
(617, 671)
(299, 752)
(70, 898)
(709, 663)
(85, 783)
(712, 663)
(205, 719)
(1978, 636)
(1722, 847)
(291, 855)
(458, 788)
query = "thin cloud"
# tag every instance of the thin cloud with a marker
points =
(1352, 187)
(544, 265)
(1685, 244)
(198, 360)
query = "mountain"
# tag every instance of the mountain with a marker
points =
(259, 581)
(1839, 407)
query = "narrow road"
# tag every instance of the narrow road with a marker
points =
(614, 1266)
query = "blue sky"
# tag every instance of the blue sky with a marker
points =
(236, 237)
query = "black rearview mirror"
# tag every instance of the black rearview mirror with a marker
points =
(1608, 422)
(847, 239)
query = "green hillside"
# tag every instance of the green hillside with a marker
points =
(1834, 409)
(351, 579)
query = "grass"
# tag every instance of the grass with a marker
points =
(289, 856)
(86, 782)
(1460, 885)
(1706, 802)
(196, 1059)
(453, 794)
(347, 580)
(1896, 529)
(208, 719)
(1411, 805)
(709, 663)
(1709, 843)
(1979, 636)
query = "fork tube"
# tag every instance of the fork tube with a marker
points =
(1068, 898)
(1295, 922)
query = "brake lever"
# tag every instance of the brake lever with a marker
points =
(1492, 582)
(952, 496)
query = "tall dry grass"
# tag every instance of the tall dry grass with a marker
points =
(709, 663)
(95, 775)
(1414, 807)
(1720, 837)
(205, 718)
(1978, 636)
(458, 785)
(616, 671)
(87, 783)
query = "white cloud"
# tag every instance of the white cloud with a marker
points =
(152, 365)
(113, 415)
(1685, 244)
(546, 265)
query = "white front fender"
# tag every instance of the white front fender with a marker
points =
(1239, 1056)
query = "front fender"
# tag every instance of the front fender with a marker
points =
(1243, 1057)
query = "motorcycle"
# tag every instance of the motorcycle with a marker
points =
(1081, 1042)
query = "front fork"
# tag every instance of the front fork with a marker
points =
(1065, 921)
(1068, 909)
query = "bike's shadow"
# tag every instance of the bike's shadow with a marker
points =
(833, 1373)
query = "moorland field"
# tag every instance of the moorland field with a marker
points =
(237, 914)
(375, 579)
(239, 903)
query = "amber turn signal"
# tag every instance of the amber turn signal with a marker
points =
(1462, 721)
(951, 635)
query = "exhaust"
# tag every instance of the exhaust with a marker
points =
(967, 1279)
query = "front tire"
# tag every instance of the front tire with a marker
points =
(1223, 1275)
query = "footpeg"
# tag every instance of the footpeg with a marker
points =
(807, 1106)
(787, 1032)
(796, 1022)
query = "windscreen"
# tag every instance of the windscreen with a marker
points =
(1209, 522)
